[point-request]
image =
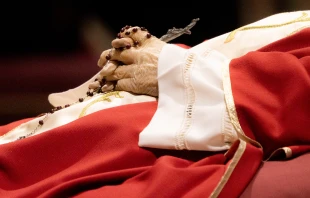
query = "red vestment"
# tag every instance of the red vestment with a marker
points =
(98, 155)
(271, 89)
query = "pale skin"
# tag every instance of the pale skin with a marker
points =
(132, 63)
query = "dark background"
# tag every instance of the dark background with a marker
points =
(54, 45)
(56, 27)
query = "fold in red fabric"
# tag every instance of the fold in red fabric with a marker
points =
(271, 89)
(98, 156)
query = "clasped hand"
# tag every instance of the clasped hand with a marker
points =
(131, 64)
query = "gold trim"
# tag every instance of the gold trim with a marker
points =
(230, 105)
(228, 130)
(302, 18)
(104, 97)
(236, 158)
(299, 29)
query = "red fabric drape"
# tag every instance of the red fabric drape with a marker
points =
(98, 156)
(271, 89)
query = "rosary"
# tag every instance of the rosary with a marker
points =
(170, 35)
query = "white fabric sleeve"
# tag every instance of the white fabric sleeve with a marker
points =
(191, 111)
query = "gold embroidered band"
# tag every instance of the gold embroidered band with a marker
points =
(302, 18)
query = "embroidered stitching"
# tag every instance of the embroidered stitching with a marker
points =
(104, 97)
(299, 29)
(302, 18)
(190, 96)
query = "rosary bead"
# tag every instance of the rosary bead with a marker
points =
(128, 46)
(108, 57)
(127, 26)
(135, 29)
(21, 137)
(136, 42)
(143, 28)
(119, 35)
(148, 35)
(127, 33)
(123, 29)
(41, 122)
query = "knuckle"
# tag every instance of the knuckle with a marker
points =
(119, 74)
(116, 43)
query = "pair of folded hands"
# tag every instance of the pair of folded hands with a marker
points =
(131, 64)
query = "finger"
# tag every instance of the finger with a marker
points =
(108, 86)
(129, 84)
(94, 85)
(122, 72)
(125, 56)
(108, 69)
(109, 55)
(139, 35)
(122, 43)
(104, 58)
(126, 84)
